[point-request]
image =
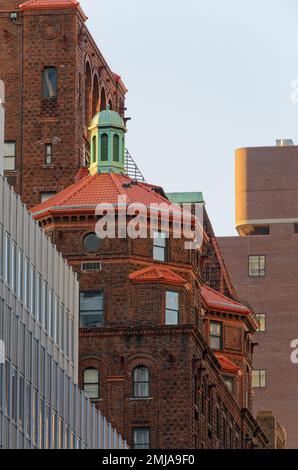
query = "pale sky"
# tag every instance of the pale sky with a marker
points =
(204, 78)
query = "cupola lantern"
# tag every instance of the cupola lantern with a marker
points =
(107, 143)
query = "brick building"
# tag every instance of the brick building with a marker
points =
(52, 69)
(262, 262)
(56, 81)
(165, 349)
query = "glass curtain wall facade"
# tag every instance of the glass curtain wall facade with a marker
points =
(41, 405)
(1, 126)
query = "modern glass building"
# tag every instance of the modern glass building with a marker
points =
(1, 126)
(41, 405)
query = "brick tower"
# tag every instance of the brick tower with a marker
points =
(164, 356)
(52, 70)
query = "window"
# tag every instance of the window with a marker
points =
(14, 267)
(116, 148)
(259, 378)
(141, 382)
(94, 149)
(48, 154)
(257, 266)
(172, 308)
(9, 155)
(141, 438)
(229, 382)
(91, 242)
(159, 246)
(45, 196)
(215, 335)
(218, 420)
(91, 383)
(91, 309)
(261, 319)
(224, 432)
(91, 266)
(104, 147)
(260, 230)
(50, 83)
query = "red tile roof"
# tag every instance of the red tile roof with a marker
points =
(51, 5)
(104, 188)
(226, 364)
(219, 302)
(48, 4)
(159, 274)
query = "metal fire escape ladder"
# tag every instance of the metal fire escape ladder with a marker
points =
(131, 168)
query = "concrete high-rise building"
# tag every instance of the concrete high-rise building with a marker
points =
(263, 265)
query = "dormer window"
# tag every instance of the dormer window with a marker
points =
(50, 83)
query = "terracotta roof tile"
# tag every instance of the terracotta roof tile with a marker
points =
(51, 5)
(217, 301)
(159, 274)
(226, 364)
(104, 188)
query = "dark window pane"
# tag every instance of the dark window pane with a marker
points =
(91, 310)
(92, 242)
(104, 147)
(141, 382)
(50, 82)
(141, 438)
(116, 148)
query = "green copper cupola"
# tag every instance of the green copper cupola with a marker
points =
(107, 143)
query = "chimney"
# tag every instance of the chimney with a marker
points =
(284, 143)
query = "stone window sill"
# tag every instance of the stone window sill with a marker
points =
(140, 398)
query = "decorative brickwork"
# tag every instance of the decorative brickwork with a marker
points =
(189, 404)
(58, 38)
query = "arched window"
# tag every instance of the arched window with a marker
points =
(50, 83)
(141, 382)
(104, 147)
(88, 84)
(95, 96)
(116, 148)
(111, 104)
(103, 100)
(91, 383)
(94, 149)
